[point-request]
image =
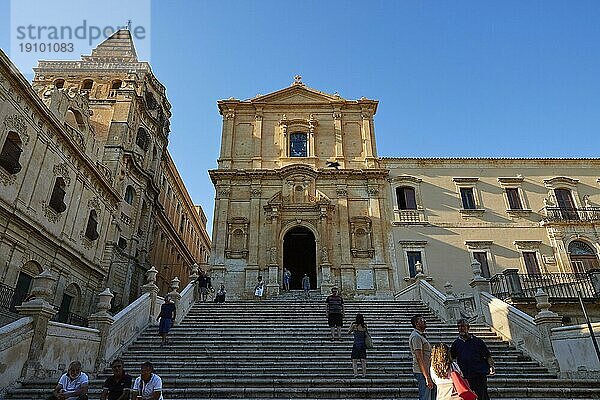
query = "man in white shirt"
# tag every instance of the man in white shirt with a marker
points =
(71, 386)
(147, 386)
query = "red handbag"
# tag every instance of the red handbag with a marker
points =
(461, 386)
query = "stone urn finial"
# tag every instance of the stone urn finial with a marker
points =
(42, 287)
(104, 299)
(448, 289)
(194, 274)
(419, 268)
(151, 275)
(174, 284)
(541, 300)
(476, 266)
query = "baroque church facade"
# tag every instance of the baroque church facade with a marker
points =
(299, 185)
(89, 190)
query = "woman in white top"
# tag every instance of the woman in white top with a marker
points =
(441, 366)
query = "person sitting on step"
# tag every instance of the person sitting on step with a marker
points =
(220, 296)
(259, 289)
(73, 385)
(118, 385)
(147, 386)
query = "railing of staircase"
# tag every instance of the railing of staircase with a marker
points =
(558, 286)
(70, 318)
(6, 297)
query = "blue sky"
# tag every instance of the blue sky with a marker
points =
(454, 78)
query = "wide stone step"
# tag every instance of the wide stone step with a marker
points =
(346, 392)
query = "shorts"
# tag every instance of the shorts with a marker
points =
(358, 353)
(165, 325)
(335, 320)
(204, 290)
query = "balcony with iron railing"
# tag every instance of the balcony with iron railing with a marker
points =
(570, 215)
(560, 287)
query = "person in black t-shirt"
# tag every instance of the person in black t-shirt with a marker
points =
(117, 386)
(167, 317)
(473, 358)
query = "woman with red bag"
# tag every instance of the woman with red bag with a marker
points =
(447, 376)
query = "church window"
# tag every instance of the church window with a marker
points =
(11, 152)
(298, 145)
(122, 243)
(57, 200)
(129, 194)
(91, 231)
(142, 140)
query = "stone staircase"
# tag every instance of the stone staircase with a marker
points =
(281, 349)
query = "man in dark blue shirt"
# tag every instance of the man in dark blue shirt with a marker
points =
(473, 358)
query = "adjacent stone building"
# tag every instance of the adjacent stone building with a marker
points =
(531, 215)
(299, 185)
(89, 190)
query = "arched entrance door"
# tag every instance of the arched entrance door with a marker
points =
(300, 256)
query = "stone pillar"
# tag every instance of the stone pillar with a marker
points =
(273, 282)
(326, 283)
(347, 272)
(257, 136)
(193, 280)
(41, 311)
(451, 304)
(174, 294)
(545, 320)
(337, 126)
(479, 284)
(511, 276)
(102, 321)
(150, 287)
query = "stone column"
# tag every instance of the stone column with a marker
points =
(193, 280)
(337, 126)
(452, 304)
(545, 320)
(150, 287)
(273, 264)
(479, 284)
(102, 321)
(41, 311)
(326, 283)
(257, 137)
(347, 279)
(176, 297)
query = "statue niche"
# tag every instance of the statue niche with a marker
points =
(237, 238)
(361, 237)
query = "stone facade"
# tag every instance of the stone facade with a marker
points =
(533, 215)
(371, 223)
(83, 171)
(299, 186)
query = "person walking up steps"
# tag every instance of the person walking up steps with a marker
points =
(335, 313)
(359, 348)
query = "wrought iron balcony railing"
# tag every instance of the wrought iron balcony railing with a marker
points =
(511, 284)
